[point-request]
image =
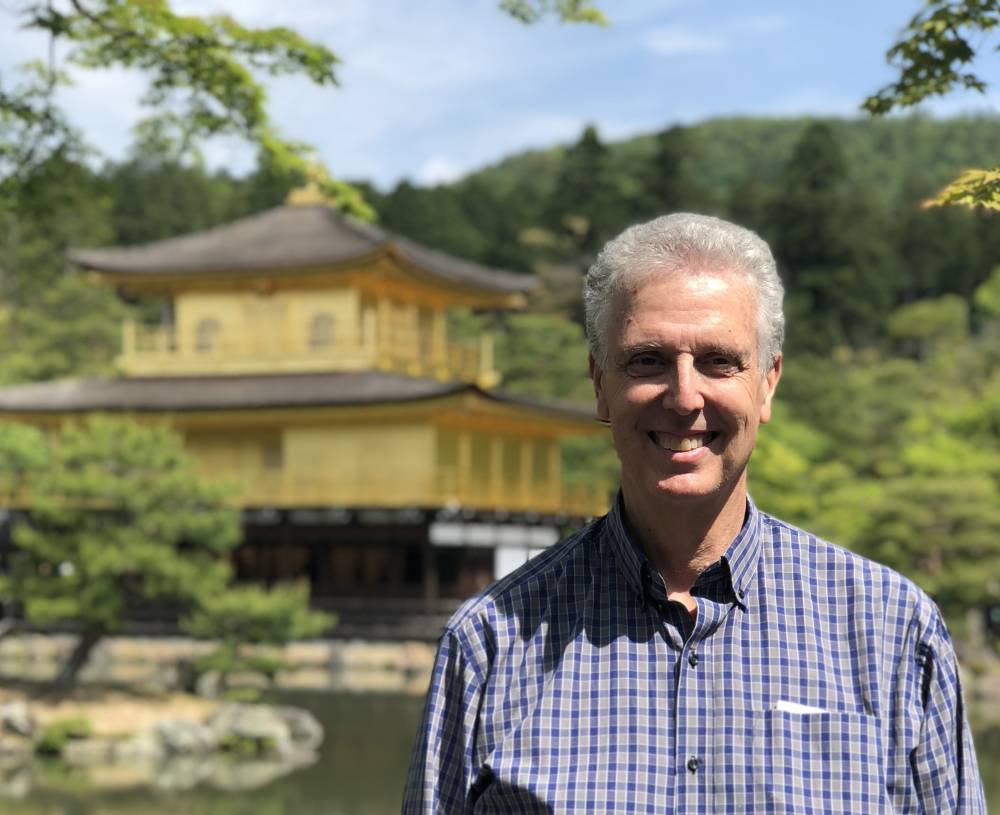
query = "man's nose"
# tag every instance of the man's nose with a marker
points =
(683, 393)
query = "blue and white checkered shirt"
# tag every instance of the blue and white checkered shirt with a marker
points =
(810, 681)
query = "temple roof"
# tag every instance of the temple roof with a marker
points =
(290, 237)
(252, 392)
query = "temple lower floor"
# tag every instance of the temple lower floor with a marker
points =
(384, 573)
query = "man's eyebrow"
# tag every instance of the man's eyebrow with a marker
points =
(726, 350)
(642, 348)
(710, 348)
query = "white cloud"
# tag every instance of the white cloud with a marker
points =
(678, 41)
(439, 170)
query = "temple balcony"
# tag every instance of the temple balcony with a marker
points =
(445, 490)
(162, 351)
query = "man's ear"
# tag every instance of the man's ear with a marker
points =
(597, 377)
(770, 385)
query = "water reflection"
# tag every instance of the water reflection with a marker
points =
(360, 771)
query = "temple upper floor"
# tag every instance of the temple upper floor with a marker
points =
(302, 289)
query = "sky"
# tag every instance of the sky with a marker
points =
(432, 90)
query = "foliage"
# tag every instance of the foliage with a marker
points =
(73, 328)
(972, 188)
(838, 268)
(23, 454)
(201, 81)
(118, 518)
(56, 734)
(244, 747)
(528, 338)
(933, 56)
(570, 11)
(246, 617)
(933, 52)
(257, 616)
(987, 296)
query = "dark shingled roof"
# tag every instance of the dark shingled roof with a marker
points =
(248, 392)
(289, 237)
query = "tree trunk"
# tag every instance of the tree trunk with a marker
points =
(66, 679)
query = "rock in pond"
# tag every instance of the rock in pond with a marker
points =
(17, 719)
(265, 730)
(183, 737)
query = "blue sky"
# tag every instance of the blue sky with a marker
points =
(431, 90)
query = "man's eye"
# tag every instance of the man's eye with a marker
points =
(644, 365)
(721, 362)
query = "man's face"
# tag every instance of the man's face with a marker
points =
(682, 387)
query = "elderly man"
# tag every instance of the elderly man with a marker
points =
(688, 653)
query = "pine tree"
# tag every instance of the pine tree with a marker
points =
(117, 520)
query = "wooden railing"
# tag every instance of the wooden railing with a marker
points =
(160, 351)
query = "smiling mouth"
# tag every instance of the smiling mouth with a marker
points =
(682, 444)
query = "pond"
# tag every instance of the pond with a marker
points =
(360, 772)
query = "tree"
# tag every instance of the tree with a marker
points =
(72, 329)
(23, 454)
(667, 182)
(118, 519)
(156, 196)
(933, 56)
(52, 321)
(832, 248)
(244, 618)
(433, 217)
(585, 202)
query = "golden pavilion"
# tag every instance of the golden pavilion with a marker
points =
(306, 359)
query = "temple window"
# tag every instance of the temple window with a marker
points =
(321, 331)
(206, 336)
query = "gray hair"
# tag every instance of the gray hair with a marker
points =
(672, 243)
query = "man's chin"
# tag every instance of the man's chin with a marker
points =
(685, 489)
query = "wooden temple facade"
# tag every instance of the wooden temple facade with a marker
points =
(306, 359)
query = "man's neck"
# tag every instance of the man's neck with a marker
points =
(682, 538)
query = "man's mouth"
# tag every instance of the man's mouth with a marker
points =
(682, 444)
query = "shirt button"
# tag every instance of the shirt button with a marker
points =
(692, 659)
(694, 763)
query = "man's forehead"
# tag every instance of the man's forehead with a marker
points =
(721, 280)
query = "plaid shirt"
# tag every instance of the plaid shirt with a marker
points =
(810, 681)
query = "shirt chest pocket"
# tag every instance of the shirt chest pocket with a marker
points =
(817, 763)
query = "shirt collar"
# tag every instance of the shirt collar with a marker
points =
(740, 558)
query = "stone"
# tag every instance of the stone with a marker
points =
(259, 724)
(87, 752)
(145, 747)
(312, 653)
(209, 685)
(305, 730)
(183, 737)
(17, 718)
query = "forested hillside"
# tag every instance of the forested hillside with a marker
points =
(887, 434)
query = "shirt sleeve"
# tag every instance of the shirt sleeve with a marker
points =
(943, 763)
(442, 767)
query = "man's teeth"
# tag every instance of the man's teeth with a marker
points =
(682, 444)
